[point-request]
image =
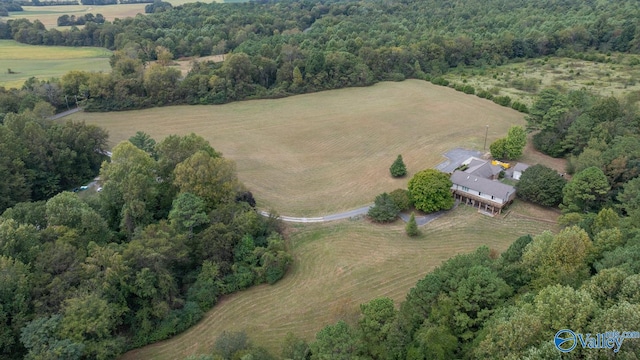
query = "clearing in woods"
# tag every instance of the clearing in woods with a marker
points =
(322, 153)
(339, 266)
(614, 75)
(45, 62)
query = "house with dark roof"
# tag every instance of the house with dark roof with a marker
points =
(477, 186)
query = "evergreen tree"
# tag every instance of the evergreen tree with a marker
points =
(398, 169)
(412, 227)
(384, 209)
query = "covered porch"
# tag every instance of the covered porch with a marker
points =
(486, 205)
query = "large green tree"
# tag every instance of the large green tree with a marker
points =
(211, 178)
(523, 329)
(541, 185)
(188, 212)
(91, 321)
(375, 326)
(586, 191)
(144, 142)
(431, 191)
(15, 299)
(130, 187)
(335, 342)
(559, 259)
(510, 147)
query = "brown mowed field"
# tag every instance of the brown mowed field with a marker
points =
(337, 267)
(315, 154)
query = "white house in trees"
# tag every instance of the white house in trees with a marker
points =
(477, 186)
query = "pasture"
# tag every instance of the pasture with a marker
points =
(45, 62)
(521, 80)
(49, 15)
(337, 267)
(316, 154)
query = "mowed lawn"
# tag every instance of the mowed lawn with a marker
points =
(337, 267)
(315, 154)
(45, 62)
(49, 15)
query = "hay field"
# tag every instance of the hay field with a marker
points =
(315, 154)
(337, 267)
(49, 15)
(45, 62)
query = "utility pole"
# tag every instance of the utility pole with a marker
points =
(485, 139)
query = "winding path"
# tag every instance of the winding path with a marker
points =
(339, 216)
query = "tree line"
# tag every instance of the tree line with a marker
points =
(288, 47)
(66, 20)
(171, 231)
(9, 5)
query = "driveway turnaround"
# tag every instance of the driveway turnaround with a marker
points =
(455, 158)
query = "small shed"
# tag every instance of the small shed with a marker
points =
(519, 169)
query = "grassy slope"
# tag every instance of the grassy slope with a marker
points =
(341, 265)
(320, 153)
(47, 61)
(49, 15)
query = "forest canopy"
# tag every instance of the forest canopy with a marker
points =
(140, 261)
(278, 48)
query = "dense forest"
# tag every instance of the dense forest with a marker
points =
(88, 278)
(278, 48)
(41, 158)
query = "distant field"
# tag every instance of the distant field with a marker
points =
(321, 153)
(339, 266)
(45, 62)
(49, 15)
(523, 79)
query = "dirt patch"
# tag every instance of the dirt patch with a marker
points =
(185, 64)
(532, 157)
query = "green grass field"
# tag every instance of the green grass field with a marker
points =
(521, 80)
(49, 15)
(315, 154)
(337, 267)
(45, 62)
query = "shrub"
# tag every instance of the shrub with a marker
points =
(398, 169)
(228, 343)
(412, 227)
(502, 100)
(384, 209)
(484, 94)
(440, 81)
(516, 105)
(401, 198)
